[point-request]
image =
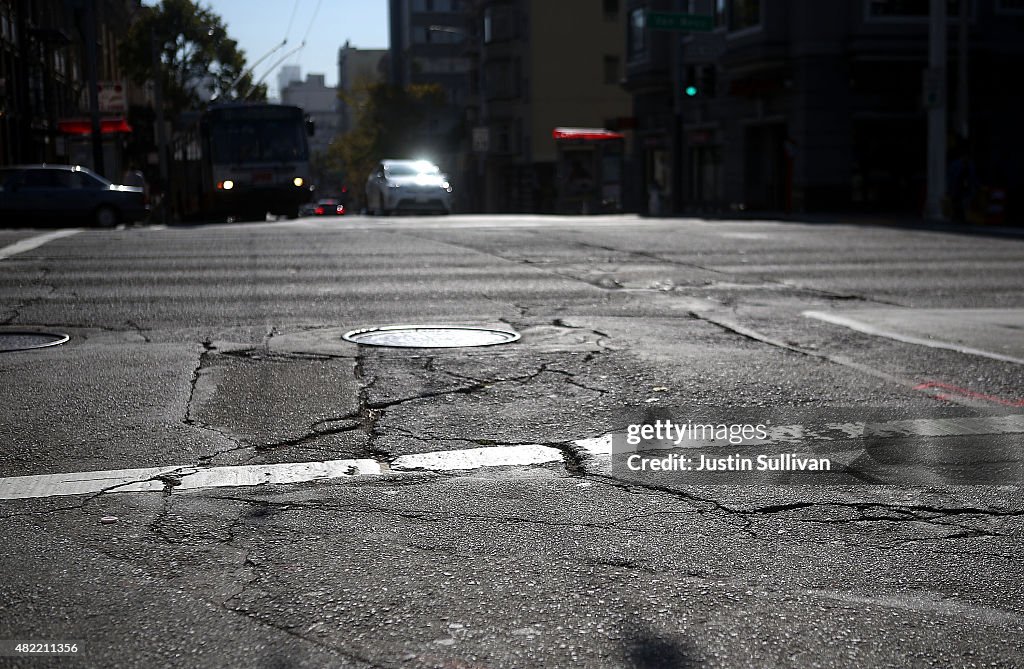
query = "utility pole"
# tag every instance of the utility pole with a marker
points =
(936, 101)
(91, 24)
(161, 127)
(962, 98)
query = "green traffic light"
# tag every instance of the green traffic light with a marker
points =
(691, 91)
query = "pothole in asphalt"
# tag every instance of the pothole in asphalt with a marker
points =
(429, 336)
(23, 340)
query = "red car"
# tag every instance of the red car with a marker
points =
(329, 208)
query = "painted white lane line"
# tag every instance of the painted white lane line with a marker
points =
(860, 326)
(156, 479)
(476, 458)
(596, 447)
(35, 242)
(188, 477)
(80, 483)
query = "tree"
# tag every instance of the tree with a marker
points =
(389, 123)
(197, 58)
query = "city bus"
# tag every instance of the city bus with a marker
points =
(241, 161)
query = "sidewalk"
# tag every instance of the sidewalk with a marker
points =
(894, 221)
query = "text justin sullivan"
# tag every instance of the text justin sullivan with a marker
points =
(784, 462)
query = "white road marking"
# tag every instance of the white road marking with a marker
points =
(596, 447)
(184, 477)
(860, 326)
(187, 477)
(476, 458)
(35, 242)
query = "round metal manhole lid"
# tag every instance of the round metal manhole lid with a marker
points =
(21, 340)
(429, 336)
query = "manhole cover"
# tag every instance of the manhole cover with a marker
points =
(21, 341)
(429, 336)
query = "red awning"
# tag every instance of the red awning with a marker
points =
(588, 134)
(83, 126)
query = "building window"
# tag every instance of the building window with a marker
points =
(502, 79)
(6, 25)
(745, 14)
(611, 9)
(436, 35)
(499, 24)
(720, 13)
(444, 6)
(611, 70)
(904, 9)
(637, 34)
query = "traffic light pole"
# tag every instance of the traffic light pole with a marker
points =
(678, 145)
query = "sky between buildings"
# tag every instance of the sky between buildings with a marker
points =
(260, 25)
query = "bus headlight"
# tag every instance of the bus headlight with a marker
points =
(227, 184)
(298, 181)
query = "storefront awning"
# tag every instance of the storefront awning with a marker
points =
(83, 126)
(589, 134)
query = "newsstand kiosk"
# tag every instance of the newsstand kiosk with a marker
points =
(589, 170)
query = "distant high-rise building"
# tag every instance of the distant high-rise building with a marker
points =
(320, 103)
(356, 68)
(287, 75)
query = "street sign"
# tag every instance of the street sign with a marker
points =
(679, 21)
(112, 96)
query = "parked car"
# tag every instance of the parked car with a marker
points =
(408, 185)
(329, 207)
(67, 193)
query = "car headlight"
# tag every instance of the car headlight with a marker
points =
(227, 184)
(298, 181)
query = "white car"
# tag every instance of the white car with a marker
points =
(408, 186)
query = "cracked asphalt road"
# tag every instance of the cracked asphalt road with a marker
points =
(219, 346)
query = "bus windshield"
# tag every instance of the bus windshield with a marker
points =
(253, 141)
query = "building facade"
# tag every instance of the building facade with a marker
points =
(428, 46)
(320, 103)
(287, 75)
(540, 65)
(803, 106)
(357, 68)
(44, 75)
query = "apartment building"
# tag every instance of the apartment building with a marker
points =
(540, 65)
(428, 46)
(357, 68)
(795, 105)
(44, 102)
